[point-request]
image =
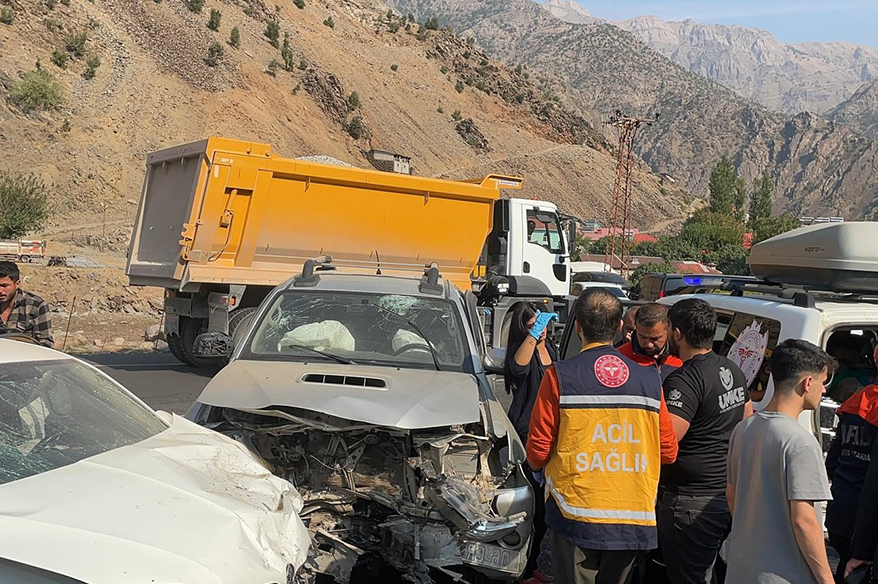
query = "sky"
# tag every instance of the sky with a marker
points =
(791, 21)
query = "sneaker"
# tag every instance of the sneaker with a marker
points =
(543, 578)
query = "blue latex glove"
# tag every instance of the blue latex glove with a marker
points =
(539, 476)
(542, 321)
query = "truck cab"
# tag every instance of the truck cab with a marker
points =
(526, 259)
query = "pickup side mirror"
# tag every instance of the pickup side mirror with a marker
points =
(494, 360)
(213, 345)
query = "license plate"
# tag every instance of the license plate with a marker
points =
(494, 557)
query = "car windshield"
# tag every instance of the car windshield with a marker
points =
(373, 329)
(54, 413)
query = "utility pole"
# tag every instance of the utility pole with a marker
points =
(620, 213)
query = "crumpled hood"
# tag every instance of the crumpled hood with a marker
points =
(188, 505)
(412, 398)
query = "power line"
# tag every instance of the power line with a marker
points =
(620, 213)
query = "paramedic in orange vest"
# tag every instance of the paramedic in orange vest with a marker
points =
(649, 343)
(599, 433)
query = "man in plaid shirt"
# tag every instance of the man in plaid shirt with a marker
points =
(20, 311)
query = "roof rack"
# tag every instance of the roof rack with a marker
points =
(430, 282)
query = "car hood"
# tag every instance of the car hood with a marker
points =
(411, 398)
(187, 505)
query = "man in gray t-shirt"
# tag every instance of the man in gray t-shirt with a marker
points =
(776, 475)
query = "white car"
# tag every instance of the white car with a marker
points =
(96, 487)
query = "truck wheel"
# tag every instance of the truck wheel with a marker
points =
(190, 328)
(175, 344)
(239, 322)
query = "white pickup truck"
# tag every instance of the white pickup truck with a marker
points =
(818, 283)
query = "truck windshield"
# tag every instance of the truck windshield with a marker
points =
(361, 328)
(544, 230)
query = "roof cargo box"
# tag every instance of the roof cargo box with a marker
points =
(839, 257)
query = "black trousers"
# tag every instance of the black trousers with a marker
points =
(539, 526)
(842, 546)
(691, 531)
(575, 565)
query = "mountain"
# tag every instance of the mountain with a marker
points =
(781, 76)
(569, 11)
(818, 167)
(860, 111)
(423, 93)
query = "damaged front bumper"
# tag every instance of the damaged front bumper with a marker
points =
(450, 500)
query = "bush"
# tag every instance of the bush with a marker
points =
(356, 128)
(393, 27)
(354, 101)
(6, 15)
(91, 67)
(24, 203)
(214, 54)
(59, 58)
(300, 4)
(235, 38)
(394, 67)
(37, 90)
(439, 110)
(196, 5)
(289, 58)
(432, 23)
(443, 69)
(303, 65)
(456, 115)
(481, 85)
(214, 22)
(50, 4)
(458, 87)
(273, 66)
(329, 22)
(75, 44)
(272, 32)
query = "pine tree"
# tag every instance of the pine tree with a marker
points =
(723, 186)
(760, 200)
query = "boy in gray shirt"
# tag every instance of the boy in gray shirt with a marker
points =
(776, 475)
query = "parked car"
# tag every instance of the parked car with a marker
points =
(654, 286)
(603, 276)
(614, 289)
(369, 394)
(96, 487)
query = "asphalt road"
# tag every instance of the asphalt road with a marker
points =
(157, 378)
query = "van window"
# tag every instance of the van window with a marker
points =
(748, 341)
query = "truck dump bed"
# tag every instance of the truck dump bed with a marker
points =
(230, 212)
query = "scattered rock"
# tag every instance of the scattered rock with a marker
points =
(153, 332)
(470, 133)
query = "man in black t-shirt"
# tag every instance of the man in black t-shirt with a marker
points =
(706, 398)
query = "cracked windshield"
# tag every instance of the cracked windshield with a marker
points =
(395, 330)
(55, 413)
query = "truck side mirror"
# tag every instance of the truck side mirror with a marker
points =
(213, 345)
(493, 361)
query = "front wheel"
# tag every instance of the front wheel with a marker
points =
(190, 328)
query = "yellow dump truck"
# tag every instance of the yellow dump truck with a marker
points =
(221, 222)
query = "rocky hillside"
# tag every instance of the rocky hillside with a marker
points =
(818, 167)
(781, 76)
(164, 77)
(860, 111)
